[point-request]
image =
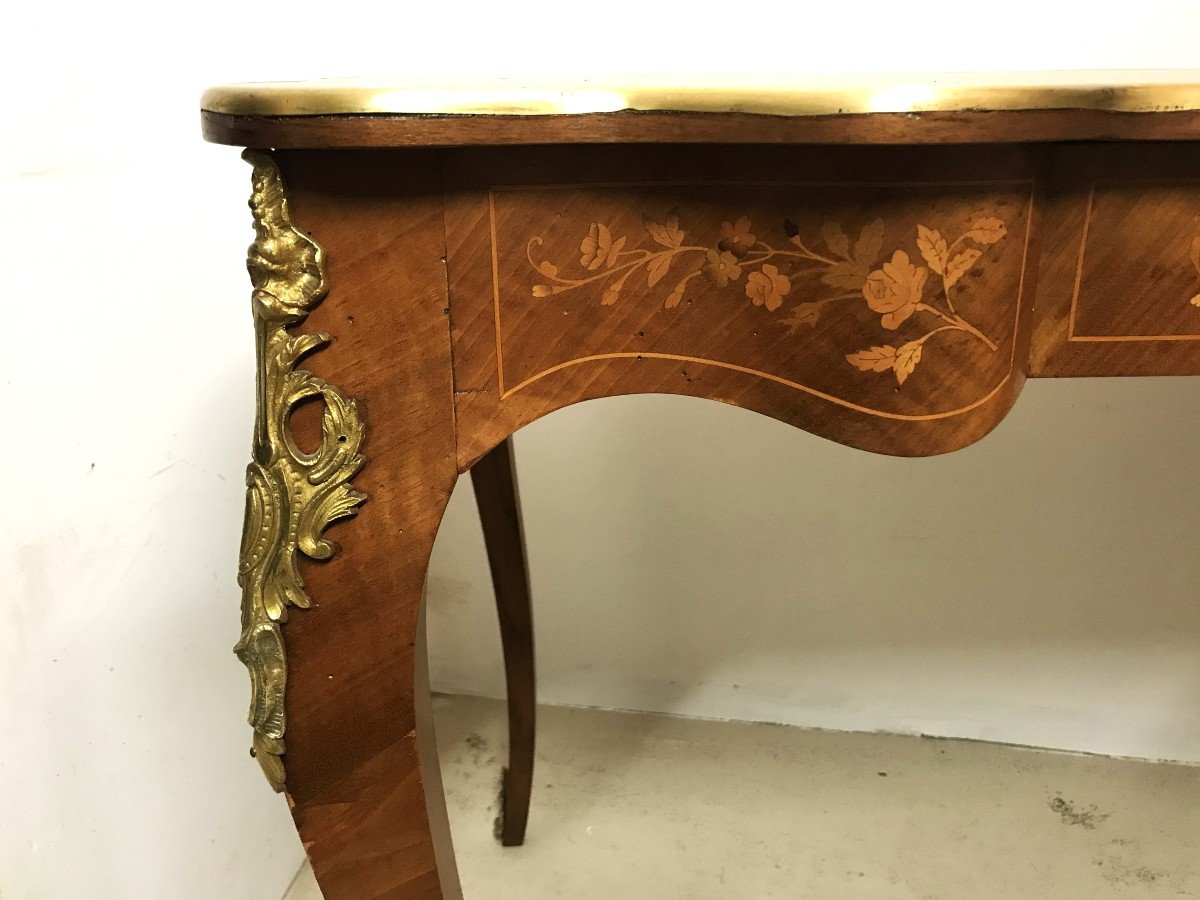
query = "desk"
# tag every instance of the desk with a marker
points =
(879, 262)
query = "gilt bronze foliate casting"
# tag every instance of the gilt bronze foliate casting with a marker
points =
(291, 495)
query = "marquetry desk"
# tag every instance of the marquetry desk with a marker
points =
(880, 263)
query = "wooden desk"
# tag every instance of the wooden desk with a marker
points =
(881, 263)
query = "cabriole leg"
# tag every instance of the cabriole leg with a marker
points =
(334, 648)
(495, 481)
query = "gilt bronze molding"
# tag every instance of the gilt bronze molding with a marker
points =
(291, 495)
(790, 95)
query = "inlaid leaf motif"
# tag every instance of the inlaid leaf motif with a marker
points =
(617, 246)
(835, 239)
(869, 243)
(804, 314)
(667, 234)
(873, 359)
(987, 230)
(933, 248)
(657, 268)
(907, 358)
(613, 292)
(961, 264)
(849, 276)
(676, 294)
(894, 287)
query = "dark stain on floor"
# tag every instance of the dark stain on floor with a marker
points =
(1119, 869)
(1089, 817)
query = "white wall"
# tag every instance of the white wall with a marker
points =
(126, 379)
(1038, 587)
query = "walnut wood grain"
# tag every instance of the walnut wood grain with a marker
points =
(353, 777)
(962, 127)
(519, 356)
(1120, 286)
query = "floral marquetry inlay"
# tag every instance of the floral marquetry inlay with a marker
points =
(796, 278)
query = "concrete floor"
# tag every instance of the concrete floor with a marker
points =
(633, 806)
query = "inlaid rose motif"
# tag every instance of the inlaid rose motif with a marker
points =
(768, 287)
(841, 272)
(895, 289)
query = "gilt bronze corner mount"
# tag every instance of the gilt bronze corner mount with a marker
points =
(291, 495)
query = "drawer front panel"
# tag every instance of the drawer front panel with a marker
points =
(1119, 292)
(886, 294)
(877, 298)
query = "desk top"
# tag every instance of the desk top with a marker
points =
(1118, 91)
(953, 107)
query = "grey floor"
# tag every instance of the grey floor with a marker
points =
(632, 806)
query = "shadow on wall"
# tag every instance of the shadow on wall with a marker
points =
(692, 558)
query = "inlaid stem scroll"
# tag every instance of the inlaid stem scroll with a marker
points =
(291, 495)
(893, 287)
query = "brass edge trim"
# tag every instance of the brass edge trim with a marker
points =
(291, 495)
(1112, 91)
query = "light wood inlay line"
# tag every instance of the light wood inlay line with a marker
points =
(496, 292)
(767, 375)
(505, 393)
(1072, 336)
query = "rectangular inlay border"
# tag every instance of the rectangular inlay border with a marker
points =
(1072, 336)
